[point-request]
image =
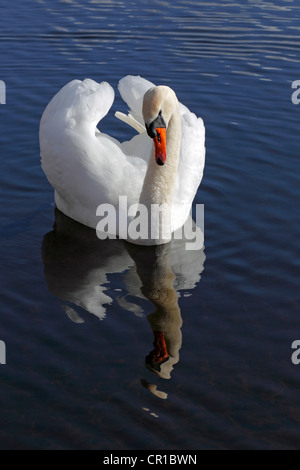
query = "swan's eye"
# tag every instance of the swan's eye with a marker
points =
(151, 130)
(157, 123)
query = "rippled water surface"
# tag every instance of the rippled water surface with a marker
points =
(76, 325)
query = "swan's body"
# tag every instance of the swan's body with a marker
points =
(88, 168)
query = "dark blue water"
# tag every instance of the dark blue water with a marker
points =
(76, 325)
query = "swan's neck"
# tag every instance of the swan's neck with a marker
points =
(159, 182)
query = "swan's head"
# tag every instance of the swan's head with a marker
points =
(158, 106)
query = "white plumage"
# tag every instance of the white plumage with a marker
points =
(87, 167)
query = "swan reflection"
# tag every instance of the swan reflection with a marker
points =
(77, 265)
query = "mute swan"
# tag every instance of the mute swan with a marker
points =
(88, 168)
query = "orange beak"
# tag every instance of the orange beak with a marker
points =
(160, 145)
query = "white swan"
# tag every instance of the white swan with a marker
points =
(88, 168)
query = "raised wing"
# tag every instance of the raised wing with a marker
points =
(132, 89)
(78, 103)
(192, 157)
